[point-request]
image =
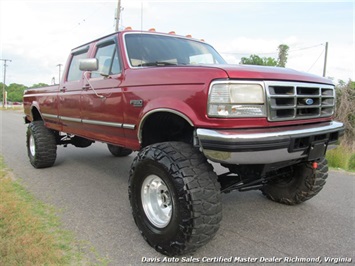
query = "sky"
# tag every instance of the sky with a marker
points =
(38, 35)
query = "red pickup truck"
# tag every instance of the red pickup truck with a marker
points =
(176, 101)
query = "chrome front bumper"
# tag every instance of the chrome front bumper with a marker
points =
(268, 145)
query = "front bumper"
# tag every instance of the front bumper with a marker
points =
(268, 145)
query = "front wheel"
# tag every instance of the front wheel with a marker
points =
(300, 184)
(41, 145)
(175, 197)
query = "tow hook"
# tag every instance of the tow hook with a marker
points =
(314, 165)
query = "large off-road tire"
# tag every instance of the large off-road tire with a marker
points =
(118, 151)
(175, 197)
(41, 145)
(301, 184)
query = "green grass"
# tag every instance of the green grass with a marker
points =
(342, 158)
(30, 231)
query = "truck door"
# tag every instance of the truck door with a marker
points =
(69, 93)
(101, 97)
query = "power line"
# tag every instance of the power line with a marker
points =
(82, 21)
(271, 53)
(315, 61)
(305, 48)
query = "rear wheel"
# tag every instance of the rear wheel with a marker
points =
(300, 184)
(118, 151)
(41, 145)
(175, 197)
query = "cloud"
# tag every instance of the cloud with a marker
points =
(303, 56)
(38, 35)
(38, 39)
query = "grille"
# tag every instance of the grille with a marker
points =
(292, 101)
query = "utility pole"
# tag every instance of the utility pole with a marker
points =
(118, 14)
(325, 59)
(60, 71)
(3, 85)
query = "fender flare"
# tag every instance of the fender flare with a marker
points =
(35, 105)
(174, 108)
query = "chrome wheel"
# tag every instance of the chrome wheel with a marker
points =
(156, 201)
(175, 197)
(32, 146)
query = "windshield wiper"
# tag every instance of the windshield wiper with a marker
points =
(157, 63)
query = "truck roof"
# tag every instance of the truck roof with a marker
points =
(103, 37)
(172, 34)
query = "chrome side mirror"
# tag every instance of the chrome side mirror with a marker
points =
(89, 64)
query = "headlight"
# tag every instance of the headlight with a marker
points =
(236, 99)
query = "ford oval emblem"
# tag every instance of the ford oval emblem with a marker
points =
(309, 101)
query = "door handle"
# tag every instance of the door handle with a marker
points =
(86, 87)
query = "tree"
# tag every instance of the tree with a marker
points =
(15, 92)
(268, 61)
(283, 54)
(257, 60)
(39, 85)
(345, 111)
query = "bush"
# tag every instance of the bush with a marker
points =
(338, 158)
(351, 165)
(341, 157)
(345, 112)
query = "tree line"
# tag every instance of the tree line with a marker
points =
(15, 91)
(268, 61)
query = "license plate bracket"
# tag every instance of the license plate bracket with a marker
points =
(317, 150)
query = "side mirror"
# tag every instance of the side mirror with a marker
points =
(90, 64)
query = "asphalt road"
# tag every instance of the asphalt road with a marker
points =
(89, 186)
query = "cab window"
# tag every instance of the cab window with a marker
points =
(74, 71)
(108, 61)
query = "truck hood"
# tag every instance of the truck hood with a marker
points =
(270, 73)
(200, 74)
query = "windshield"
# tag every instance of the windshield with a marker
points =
(159, 50)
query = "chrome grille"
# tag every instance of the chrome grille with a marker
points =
(294, 100)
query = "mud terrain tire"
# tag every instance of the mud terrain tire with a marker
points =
(41, 145)
(302, 184)
(175, 197)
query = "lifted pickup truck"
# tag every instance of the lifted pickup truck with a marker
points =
(176, 101)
